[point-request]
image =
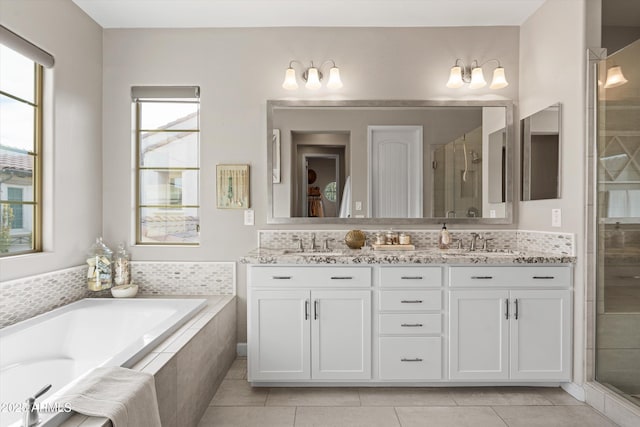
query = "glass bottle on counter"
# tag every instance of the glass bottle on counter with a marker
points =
(121, 270)
(100, 260)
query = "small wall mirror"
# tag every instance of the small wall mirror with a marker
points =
(541, 139)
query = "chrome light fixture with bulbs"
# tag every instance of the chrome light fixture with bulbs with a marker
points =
(473, 75)
(312, 75)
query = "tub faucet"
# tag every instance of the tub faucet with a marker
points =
(30, 416)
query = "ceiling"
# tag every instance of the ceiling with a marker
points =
(306, 13)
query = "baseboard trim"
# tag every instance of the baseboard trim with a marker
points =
(241, 349)
(574, 390)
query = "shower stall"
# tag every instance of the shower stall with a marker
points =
(617, 223)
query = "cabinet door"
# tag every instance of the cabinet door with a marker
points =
(279, 335)
(541, 335)
(479, 333)
(341, 335)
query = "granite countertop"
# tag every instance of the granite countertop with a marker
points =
(418, 256)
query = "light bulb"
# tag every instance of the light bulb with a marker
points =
(455, 78)
(477, 79)
(334, 79)
(290, 82)
(313, 79)
(615, 78)
(499, 80)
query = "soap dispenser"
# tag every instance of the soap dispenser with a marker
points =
(445, 238)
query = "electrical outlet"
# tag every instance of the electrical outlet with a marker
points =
(248, 217)
(556, 217)
(358, 206)
(492, 213)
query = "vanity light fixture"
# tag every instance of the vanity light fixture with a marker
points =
(473, 75)
(312, 75)
(615, 77)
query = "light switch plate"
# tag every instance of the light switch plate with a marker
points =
(248, 217)
(556, 217)
(492, 213)
(358, 206)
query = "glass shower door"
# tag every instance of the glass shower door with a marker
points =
(618, 219)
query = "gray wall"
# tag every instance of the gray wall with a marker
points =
(238, 70)
(72, 131)
(553, 56)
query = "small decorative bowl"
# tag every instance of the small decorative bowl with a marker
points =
(124, 291)
(355, 239)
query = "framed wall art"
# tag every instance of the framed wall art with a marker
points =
(232, 186)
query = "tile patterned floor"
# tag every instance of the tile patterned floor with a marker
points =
(237, 404)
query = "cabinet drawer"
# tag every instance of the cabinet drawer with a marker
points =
(407, 323)
(310, 276)
(510, 276)
(410, 276)
(409, 300)
(410, 358)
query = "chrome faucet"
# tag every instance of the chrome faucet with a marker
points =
(30, 416)
(297, 239)
(474, 241)
(325, 244)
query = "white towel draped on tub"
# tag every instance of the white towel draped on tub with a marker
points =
(126, 397)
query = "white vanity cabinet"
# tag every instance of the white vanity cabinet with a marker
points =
(309, 323)
(410, 323)
(510, 323)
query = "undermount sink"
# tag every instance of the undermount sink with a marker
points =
(314, 253)
(490, 252)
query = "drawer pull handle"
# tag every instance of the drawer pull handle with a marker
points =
(281, 277)
(482, 277)
(315, 310)
(544, 277)
(411, 277)
(417, 359)
(412, 325)
(411, 301)
(341, 277)
(306, 309)
(516, 313)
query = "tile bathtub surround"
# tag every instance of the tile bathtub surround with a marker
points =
(188, 367)
(522, 240)
(24, 298)
(184, 278)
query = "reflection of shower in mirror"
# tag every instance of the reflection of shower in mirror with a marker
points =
(475, 157)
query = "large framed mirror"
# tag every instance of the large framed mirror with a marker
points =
(390, 162)
(541, 148)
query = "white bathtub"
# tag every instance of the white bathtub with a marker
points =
(60, 346)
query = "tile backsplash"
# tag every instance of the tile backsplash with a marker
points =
(551, 243)
(24, 298)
